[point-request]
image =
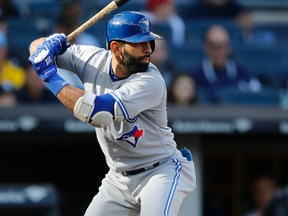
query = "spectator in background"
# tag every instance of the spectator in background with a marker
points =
(164, 11)
(8, 9)
(278, 205)
(160, 57)
(218, 70)
(264, 188)
(12, 76)
(34, 90)
(71, 18)
(182, 91)
(3, 24)
(68, 25)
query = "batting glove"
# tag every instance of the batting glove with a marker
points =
(57, 43)
(43, 61)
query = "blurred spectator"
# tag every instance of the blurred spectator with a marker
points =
(67, 26)
(3, 23)
(222, 9)
(34, 90)
(12, 76)
(278, 205)
(8, 9)
(160, 57)
(70, 19)
(264, 188)
(182, 91)
(218, 70)
(72, 8)
(164, 11)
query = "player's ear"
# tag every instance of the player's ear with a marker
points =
(116, 47)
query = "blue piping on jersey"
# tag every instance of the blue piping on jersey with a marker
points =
(103, 102)
(125, 112)
(132, 120)
(173, 188)
(113, 77)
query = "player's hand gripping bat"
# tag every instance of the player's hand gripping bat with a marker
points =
(98, 16)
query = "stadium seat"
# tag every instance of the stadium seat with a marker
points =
(278, 30)
(267, 96)
(263, 4)
(186, 57)
(39, 8)
(184, 7)
(266, 63)
(164, 30)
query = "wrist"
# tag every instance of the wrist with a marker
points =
(55, 83)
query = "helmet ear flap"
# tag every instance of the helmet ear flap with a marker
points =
(152, 45)
(107, 43)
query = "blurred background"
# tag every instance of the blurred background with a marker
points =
(225, 63)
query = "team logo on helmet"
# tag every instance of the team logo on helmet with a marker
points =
(133, 136)
(145, 24)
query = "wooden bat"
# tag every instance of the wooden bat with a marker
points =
(106, 10)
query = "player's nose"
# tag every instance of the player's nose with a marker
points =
(146, 47)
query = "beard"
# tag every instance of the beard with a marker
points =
(134, 64)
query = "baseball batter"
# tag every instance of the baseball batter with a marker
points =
(125, 100)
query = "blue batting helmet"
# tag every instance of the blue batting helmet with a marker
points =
(130, 26)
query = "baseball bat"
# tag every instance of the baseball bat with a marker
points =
(113, 5)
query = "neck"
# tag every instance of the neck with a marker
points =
(119, 70)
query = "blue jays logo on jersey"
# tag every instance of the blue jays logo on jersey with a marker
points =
(133, 136)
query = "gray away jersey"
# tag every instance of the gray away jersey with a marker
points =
(144, 137)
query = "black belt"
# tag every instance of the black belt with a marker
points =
(137, 171)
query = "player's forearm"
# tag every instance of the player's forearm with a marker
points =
(69, 96)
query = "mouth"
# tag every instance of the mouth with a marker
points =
(145, 59)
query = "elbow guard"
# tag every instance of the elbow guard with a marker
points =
(96, 110)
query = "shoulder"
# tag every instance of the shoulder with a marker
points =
(80, 49)
(152, 78)
(154, 73)
(84, 53)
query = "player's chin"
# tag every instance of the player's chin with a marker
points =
(141, 67)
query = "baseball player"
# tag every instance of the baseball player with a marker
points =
(125, 100)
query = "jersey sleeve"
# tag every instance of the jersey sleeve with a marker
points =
(141, 93)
